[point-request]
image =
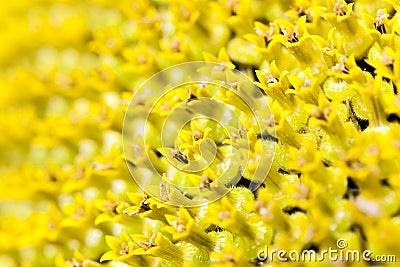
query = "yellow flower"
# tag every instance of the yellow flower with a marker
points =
(157, 245)
(68, 69)
(147, 207)
(122, 250)
(183, 227)
(222, 58)
(342, 17)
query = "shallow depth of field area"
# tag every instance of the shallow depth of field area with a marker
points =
(329, 71)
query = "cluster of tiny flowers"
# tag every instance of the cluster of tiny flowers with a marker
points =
(68, 70)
